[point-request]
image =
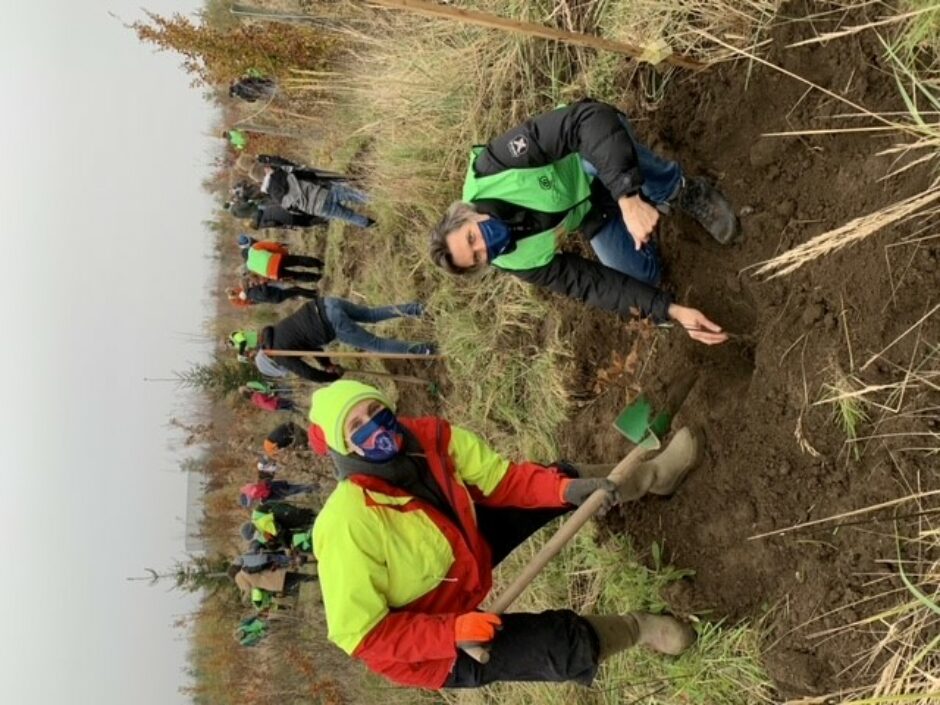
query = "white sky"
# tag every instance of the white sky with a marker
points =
(105, 282)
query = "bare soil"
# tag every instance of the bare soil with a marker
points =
(753, 393)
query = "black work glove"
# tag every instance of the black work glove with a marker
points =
(579, 490)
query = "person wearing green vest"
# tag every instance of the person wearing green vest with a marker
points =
(236, 138)
(271, 260)
(579, 168)
(277, 523)
(245, 342)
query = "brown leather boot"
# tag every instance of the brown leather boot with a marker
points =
(662, 633)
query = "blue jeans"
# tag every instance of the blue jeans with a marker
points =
(345, 317)
(613, 244)
(333, 207)
(282, 490)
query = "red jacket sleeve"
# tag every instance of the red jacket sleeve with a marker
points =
(528, 486)
(409, 637)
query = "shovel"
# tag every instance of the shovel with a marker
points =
(644, 426)
(646, 429)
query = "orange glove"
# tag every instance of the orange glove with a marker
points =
(474, 628)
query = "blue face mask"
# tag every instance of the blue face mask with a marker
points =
(381, 438)
(496, 236)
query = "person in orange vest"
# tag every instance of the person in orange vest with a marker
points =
(272, 260)
(421, 514)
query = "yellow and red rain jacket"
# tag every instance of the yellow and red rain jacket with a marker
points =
(396, 572)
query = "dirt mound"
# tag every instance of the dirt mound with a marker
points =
(755, 394)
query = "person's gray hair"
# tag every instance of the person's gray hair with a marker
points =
(457, 215)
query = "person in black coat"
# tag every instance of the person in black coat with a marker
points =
(323, 320)
(580, 168)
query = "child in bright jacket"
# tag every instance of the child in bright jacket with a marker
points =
(407, 541)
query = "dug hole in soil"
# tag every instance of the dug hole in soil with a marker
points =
(751, 393)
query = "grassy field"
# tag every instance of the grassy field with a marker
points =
(410, 97)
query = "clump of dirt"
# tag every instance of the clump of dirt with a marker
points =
(773, 459)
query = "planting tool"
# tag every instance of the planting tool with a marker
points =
(565, 533)
(699, 329)
(408, 379)
(640, 423)
(433, 389)
(341, 354)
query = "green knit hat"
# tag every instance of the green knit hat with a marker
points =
(330, 405)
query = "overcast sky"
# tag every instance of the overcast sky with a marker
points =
(106, 281)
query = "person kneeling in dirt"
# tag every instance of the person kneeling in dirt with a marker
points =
(579, 168)
(407, 542)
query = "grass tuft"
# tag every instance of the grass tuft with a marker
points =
(849, 408)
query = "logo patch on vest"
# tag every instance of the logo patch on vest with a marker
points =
(518, 146)
(545, 182)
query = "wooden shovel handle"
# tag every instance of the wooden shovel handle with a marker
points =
(565, 533)
(344, 354)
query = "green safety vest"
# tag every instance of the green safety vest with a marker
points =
(247, 337)
(238, 139)
(260, 598)
(302, 541)
(258, 261)
(264, 522)
(555, 188)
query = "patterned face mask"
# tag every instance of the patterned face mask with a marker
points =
(381, 438)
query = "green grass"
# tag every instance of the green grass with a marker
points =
(723, 668)
(918, 40)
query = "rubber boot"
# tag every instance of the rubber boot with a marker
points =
(664, 473)
(700, 199)
(661, 633)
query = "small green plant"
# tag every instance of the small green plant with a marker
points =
(849, 407)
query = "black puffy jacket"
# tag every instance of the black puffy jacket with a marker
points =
(595, 131)
(305, 329)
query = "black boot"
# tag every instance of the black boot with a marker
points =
(700, 199)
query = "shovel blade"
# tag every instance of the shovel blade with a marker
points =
(641, 425)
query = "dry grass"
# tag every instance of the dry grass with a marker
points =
(850, 233)
(904, 665)
(679, 25)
